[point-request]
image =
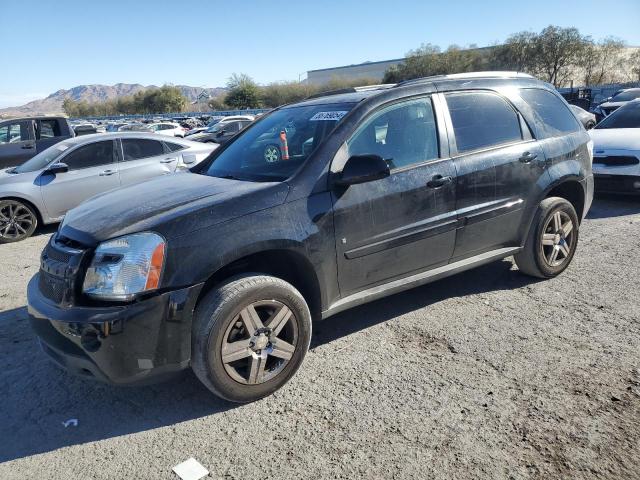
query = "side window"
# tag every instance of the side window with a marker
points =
(136, 148)
(48, 129)
(555, 115)
(14, 132)
(174, 147)
(403, 134)
(482, 120)
(233, 127)
(92, 155)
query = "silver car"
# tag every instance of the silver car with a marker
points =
(45, 187)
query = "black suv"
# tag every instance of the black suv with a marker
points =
(370, 192)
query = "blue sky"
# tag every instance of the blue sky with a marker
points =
(65, 43)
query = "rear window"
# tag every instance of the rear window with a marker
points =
(482, 120)
(49, 129)
(556, 117)
(136, 148)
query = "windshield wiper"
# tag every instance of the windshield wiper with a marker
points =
(229, 177)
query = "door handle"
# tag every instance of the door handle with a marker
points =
(106, 173)
(528, 157)
(438, 180)
(28, 146)
(168, 160)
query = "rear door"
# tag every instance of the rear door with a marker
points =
(17, 143)
(144, 158)
(497, 165)
(407, 221)
(92, 170)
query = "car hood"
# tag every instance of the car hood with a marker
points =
(172, 205)
(611, 104)
(7, 178)
(615, 139)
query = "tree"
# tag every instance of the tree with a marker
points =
(281, 93)
(600, 62)
(217, 103)
(556, 51)
(517, 53)
(634, 60)
(243, 92)
(430, 60)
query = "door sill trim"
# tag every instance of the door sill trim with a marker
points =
(416, 280)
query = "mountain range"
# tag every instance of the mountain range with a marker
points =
(52, 105)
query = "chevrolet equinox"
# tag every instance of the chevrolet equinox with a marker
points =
(317, 207)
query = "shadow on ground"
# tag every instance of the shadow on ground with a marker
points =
(39, 397)
(608, 206)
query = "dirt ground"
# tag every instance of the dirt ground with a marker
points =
(488, 374)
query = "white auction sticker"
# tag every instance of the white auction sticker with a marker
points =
(320, 116)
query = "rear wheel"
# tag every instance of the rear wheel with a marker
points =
(552, 239)
(250, 336)
(17, 221)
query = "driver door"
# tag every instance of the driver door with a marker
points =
(92, 170)
(403, 223)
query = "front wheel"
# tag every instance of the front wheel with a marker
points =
(552, 239)
(17, 221)
(250, 336)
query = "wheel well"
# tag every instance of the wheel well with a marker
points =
(572, 192)
(30, 204)
(290, 266)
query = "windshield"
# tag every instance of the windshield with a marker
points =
(626, 96)
(627, 116)
(275, 147)
(42, 159)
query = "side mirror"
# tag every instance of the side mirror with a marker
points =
(220, 133)
(58, 168)
(362, 169)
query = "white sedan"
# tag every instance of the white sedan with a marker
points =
(616, 151)
(168, 128)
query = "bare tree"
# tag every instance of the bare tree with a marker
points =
(517, 53)
(601, 62)
(634, 60)
(557, 50)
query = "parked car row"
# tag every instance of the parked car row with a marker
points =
(611, 104)
(59, 178)
(317, 207)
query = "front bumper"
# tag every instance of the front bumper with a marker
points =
(142, 342)
(620, 184)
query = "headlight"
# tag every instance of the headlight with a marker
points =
(125, 266)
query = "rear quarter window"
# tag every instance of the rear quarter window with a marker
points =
(482, 120)
(555, 117)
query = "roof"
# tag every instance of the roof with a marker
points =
(356, 94)
(113, 135)
(35, 117)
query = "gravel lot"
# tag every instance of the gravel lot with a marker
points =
(489, 374)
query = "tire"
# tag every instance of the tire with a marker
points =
(260, 357)
(18, 220)
(552, 240)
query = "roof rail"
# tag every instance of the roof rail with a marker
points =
(453, 76)
(365, 88)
